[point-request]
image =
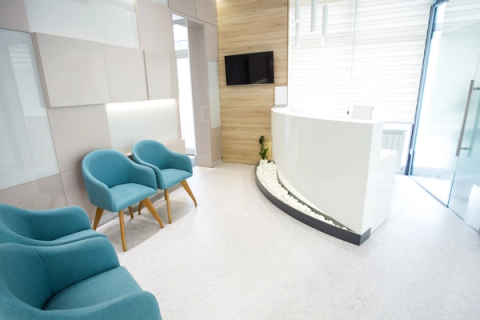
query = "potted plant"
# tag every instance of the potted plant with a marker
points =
(263, 150)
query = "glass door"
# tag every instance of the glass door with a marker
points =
(446, 156)
(452, 62)
(441, 110)
(465, 195)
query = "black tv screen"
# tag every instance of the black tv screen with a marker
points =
(249, 68)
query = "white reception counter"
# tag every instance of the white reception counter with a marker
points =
(335, 166)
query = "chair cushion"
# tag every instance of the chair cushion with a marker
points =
(101, 288)
(85, 234)
(173, 176)
(127, 194)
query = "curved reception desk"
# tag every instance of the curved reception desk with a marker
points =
(335, 166)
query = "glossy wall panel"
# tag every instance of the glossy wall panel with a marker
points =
(207, 11)
(161, 75)
(125, 74)
(27, 151)
(134, 121)
(73, 71)
(77, 131)
(75, 192)
(184, 6)
(13, 15)
(155, 26)
(41, 194)
(211, 38)
(163, 2)
(105, 21)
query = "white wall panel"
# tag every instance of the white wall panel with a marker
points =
(177, 146)
(207, 11)
(125, 74)
(25, 139)
(164, 2)
(155, 26)
(13, 15)
(211, 37)
(135, 121)
(41, 194)
(78, 131)
(111, 22)
(161, 75)
(73, 71)
(184, 6)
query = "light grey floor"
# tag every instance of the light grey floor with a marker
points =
(236, 256)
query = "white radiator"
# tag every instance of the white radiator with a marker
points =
(394, 140)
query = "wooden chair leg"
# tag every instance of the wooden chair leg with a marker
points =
(98, 215)
(146, 202)
(140, 205)
(187, 188)
(167, 199)
(122, 230)
(131, 211)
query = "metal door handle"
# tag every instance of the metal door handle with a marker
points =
(460, 139)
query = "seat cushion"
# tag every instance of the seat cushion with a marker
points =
(85, 234)
(101, 288)
(173, 176)
(127, 194)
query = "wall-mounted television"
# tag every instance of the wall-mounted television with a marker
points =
(249, 68)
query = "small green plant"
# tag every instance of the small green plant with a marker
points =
(263, 150)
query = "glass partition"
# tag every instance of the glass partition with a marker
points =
(26, 144)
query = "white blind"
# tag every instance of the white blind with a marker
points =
(387, 58)
(319, 75)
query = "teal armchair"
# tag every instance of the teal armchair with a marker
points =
(171, 168)
(44, 228)
(80, 280)
(114, 183)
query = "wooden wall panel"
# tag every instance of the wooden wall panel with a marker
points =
(250, 26)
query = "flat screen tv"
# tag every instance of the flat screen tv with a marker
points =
(249, 68)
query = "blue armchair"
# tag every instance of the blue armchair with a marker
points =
(114, 183)
(80, 280)
(170, 167)
(44, 228)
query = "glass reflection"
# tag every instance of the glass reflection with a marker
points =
(26, 145)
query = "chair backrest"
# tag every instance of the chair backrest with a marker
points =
(24, 282)
(152, 152)
(108, 166)
(14, 222)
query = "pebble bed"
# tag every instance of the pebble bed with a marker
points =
(267, 175)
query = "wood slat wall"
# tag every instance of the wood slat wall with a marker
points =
(250, 26)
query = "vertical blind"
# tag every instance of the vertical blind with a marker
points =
(373, 56)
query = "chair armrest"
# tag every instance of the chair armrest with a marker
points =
(158, 174)
(179, 161)
(98, 193)
(53, 224)
(138, 306)
(143, 174)
(71, 263)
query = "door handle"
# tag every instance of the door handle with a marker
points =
(462, 131)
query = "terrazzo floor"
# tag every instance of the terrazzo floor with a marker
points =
(236, 256)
